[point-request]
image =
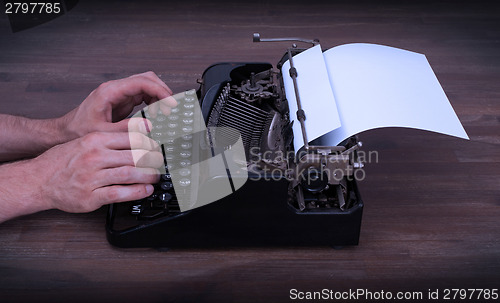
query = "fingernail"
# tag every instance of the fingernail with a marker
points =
(149, 189)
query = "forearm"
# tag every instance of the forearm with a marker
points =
(19, 191)
(22, 137)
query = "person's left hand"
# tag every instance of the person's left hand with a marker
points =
(106, 108)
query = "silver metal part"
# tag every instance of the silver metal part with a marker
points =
(257, 38)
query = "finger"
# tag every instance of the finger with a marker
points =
(136, 157)
(167, 104)
(122, 193)
(152, 109)
(154, 77)
(126, 175)
(135, 124)
(134, 86)
(146, 158)
(126, 141)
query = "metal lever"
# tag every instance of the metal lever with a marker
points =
(256, 38)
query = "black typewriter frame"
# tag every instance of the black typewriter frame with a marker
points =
(258, 214)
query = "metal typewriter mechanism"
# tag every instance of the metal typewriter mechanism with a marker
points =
(304, 198)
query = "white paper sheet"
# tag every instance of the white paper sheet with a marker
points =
(379, 86)
(316, 96)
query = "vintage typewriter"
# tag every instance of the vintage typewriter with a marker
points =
(278, 197)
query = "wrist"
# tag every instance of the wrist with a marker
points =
(17, 199)
(65, 129)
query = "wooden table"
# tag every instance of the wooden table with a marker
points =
(432, 215)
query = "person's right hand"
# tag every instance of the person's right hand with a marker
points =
(106, 108)
(97, 169)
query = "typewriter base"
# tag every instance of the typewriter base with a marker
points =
(256, 215)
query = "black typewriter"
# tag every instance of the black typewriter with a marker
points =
(231, 176)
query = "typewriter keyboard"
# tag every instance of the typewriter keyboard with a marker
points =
(174, 133)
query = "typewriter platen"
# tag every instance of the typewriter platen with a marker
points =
(309, 197)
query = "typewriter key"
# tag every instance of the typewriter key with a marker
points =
(186, 145)
(185, 163)
(161, 118)
(184, 182)
(167, 185)
(187, 129)
(184, 172)
(185, 154)
(188, 120)
(165, 197)
(189, 98)
(188, 113)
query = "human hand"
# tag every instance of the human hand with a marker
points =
(107, 106)
(97, 169)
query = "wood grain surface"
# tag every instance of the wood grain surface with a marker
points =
(432, 202)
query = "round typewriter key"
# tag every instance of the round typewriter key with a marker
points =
(158, 126)
(161, 118)
(172, 125)
(187, 137)
(187, 129)
(188, 105)
(186, 145)
(188, 113)
(191, 92)
(167, 185)
(156, 135)
(169, 157)
(165, 197)
(174, 110)
(185, 154)
(169, 141)
(184, 172)
(169, 149)
(173, 117)
(184, 163)
(184, 182)
(171, 133)
(188, 120)
(167, 177)
(189, 98)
